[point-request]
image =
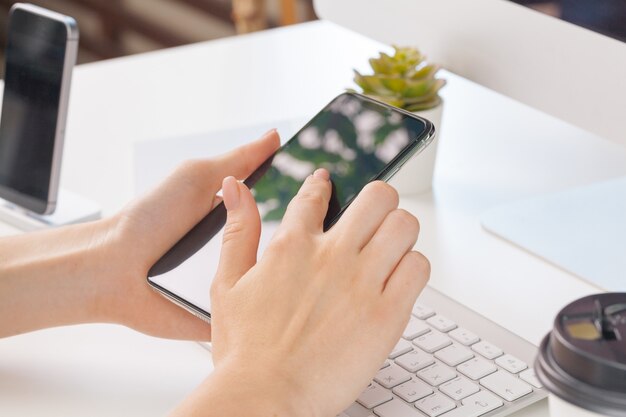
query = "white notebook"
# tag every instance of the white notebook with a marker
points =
(582, 230)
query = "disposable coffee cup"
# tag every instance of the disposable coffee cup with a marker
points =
(582, 361)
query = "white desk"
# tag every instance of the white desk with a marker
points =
(491, 150)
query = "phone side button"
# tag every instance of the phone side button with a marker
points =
(394, 171)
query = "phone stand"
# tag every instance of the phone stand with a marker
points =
(71, 209)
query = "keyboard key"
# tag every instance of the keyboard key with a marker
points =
(454, 354)
(396, 408)
(422, 312)
(441, 323)
(342, 415)
(432, 341)
(357, 410)
(486, 349)
(530, 377)
(402, 347)
(506, 385)
(385, 364)
(477, 368)
(391, 376)
(436, 374)
(374, 395)
(412, 390)
(415, 328)
(459, 388)
(463, 336)
(511, 363)
(435, 405)
(477, 405)
(415, 360)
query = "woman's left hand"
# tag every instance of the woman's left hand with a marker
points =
(96, 271)
(143, 231)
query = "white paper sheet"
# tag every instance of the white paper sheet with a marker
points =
(156, 159)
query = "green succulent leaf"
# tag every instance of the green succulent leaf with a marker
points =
(380, 66)
(426, 71)
(419, 100)
(392, 101)
(406, 53)
(403, 79)
(370, 84)
(417, 88)
(397, 85)
(434, 102)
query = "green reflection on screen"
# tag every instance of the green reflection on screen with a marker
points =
(352, 138)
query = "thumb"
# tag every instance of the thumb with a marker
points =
(241, 233)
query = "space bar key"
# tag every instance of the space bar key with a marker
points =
(476, 405)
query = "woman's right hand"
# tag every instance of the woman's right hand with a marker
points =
(305, 329)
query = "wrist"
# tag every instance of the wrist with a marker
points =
(84, 259)
(102, 263)
(52, 278)
(235, 389)
(269, 392)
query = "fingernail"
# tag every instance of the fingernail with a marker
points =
(321, 174)
(230, 193)
(269, 132)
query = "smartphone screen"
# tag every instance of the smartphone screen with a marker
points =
(35, 55)
(357, 140)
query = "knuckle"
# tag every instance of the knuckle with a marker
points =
(407, 221)
(419, 263)
(232, 230)
(382, 190)
(191, 172)
(286, 239)
(190, 166)
(312, 197)
(279, 242)
(327, 251)
(335, 243)
(218, 289)
(215, 290)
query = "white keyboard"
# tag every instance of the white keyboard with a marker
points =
(451, 362)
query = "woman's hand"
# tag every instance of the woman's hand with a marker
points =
(150, 226)
(96, 272)
(305, 329)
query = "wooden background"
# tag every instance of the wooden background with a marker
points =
(113, 28)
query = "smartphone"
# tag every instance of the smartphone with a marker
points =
(40, 54)
(357, 139)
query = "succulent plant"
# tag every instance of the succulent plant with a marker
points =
(403, 80)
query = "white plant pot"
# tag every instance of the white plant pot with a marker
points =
(416, 176)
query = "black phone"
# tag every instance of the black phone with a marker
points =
(40, 54)
(357, 139)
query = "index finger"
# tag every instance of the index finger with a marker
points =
(189, 193)
(365, 215)
(309, 207)
(193, 185)
(242, 161)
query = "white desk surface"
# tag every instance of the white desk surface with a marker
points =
(492, 150)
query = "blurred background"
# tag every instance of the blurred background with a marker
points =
(604, 16)
(113, 28)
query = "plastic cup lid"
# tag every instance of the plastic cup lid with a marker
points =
(583, 359)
